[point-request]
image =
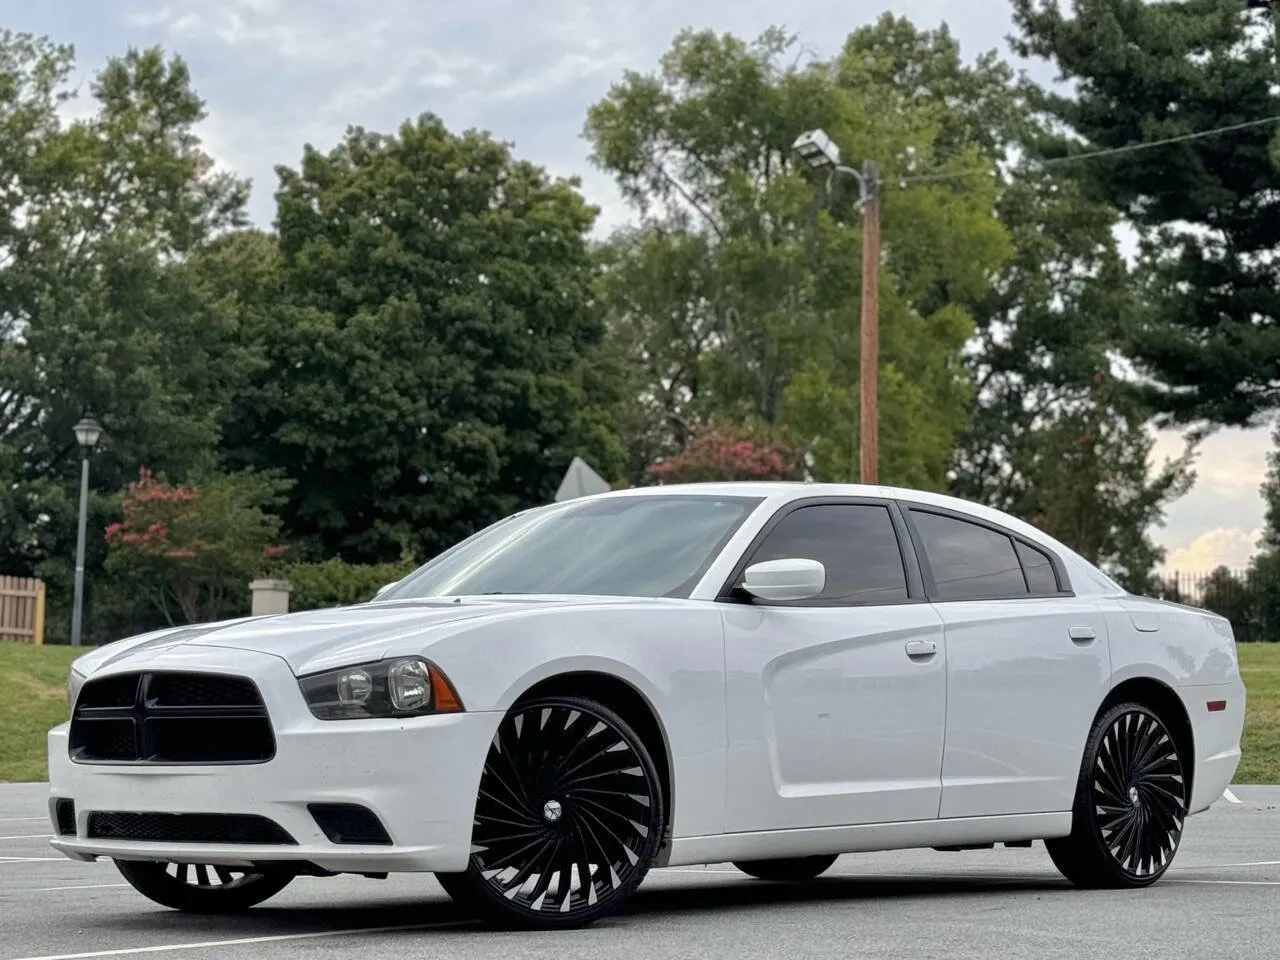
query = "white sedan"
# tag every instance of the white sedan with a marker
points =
(765, 674)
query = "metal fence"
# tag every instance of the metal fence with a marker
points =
(1248, 598)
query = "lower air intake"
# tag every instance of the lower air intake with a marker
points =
(229, 828)
(349, 823)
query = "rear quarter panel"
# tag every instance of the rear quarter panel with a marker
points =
(1193, 652)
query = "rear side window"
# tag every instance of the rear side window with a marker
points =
(969, 561)
(856, 543)
(1041, 577)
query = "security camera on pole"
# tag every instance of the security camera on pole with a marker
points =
(820, 153)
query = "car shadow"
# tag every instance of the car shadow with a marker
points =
(747, 893)
(436, 913)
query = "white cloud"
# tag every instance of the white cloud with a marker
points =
(1225, 505)
(1229, 547)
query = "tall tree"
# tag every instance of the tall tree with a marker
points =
(1207, 208)
(740, 291)
(431, 368)
(1052, 435)
(94, 314)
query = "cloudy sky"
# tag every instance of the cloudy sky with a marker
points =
(280, 73)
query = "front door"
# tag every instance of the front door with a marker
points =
(836, 705)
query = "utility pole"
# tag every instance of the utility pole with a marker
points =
(818, 151)
(869, 377)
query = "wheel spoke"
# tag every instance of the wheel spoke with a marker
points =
(1139, 794)
(565, 811)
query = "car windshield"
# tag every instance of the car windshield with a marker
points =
(633, 546)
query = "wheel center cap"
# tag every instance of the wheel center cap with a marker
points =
(1133, 796)
(552, 811)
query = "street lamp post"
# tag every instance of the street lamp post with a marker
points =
(820, 153)
(88, 431)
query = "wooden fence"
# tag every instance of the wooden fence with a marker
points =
(21, 609)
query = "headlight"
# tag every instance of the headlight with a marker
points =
(75, 680)
(401, 687)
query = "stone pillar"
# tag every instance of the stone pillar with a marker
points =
(270, 597)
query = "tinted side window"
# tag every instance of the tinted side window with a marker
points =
(969, 562)
(1041, 577)
(855, 542)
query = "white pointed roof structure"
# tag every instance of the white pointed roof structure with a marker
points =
(580, 481)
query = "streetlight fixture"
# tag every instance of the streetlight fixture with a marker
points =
(818, 150)
(88, 431)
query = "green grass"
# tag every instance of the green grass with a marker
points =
(34, 699)
(35, 696)
(1260, 668)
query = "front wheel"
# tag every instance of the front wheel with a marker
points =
(202, 888)
(790, 870)
(569, 817)
(1130, 806)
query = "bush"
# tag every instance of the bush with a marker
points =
(192, 549)
(335, 583)
(722, 452)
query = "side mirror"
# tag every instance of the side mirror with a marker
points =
(383, 589)
(790, 579)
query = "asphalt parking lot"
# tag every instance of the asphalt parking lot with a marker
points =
(1220, 899)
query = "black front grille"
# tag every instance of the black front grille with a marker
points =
(187, 828)
(171, 718)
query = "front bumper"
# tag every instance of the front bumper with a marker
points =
(419, 777)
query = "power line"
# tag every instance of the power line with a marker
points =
(1094, 154)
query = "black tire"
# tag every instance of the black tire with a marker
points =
(200, 888)
(790, 870)
(568, 788)
(460, 891)
(1130, 804)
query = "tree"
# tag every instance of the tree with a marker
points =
(192, 550)
(1055, 436)
(431, 364)
(1207, 208)
(739, 293)
(1051, 434)
(722, 453)
(96, 216)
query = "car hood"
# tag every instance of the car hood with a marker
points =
(316, 640)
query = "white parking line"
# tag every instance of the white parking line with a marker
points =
(30, 836)
(1230, 797)
(1231, 883)
(82, 886)
(4, 860)
(208, 944)
(21, 819)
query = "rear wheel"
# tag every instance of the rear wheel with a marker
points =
(202, 888)
(568, 819)
(790, 870)
(1130, 805)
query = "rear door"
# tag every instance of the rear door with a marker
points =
(1028, 663)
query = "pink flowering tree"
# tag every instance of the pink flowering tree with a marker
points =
(193, 549)
(725, 453)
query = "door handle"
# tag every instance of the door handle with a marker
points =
(1083, 634)
(921, 649)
